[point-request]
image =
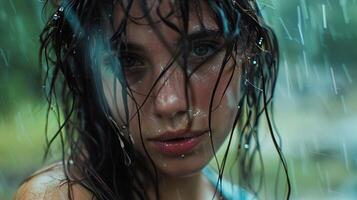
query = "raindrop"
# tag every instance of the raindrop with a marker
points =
(287, 76)
(304, 9)
(324, 20)
(345, 156)
(345, 70)
(131, 138)
(127, 160)
(306, 64)
(343, 102)
(285, 28)
(248, 82)
(298, 77)
(299, 26)
(178, 194)
(333, 80)
(327, 179)
(246, 146)
(316, 73)
(343, 4)
(13, 6)
(4, 57)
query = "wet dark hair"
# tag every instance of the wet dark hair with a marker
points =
(93, 143)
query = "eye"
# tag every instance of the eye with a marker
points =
(203, 49)
(134, 67)
(130, 61)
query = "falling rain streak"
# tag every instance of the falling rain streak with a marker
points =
(285, 28)
(324, 20)
(299, 26)
(4, 56)
(333, 80)
(317, 80)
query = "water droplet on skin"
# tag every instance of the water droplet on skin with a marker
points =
(132, 139)
(55, 16)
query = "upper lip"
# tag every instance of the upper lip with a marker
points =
(179, 134)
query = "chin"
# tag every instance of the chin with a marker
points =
(182, 167)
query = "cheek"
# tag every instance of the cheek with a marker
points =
(225, 93)
(225, 100)
(113, 94)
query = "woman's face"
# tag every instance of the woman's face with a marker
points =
(174, 109)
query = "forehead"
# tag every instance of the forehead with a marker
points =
(149, 14)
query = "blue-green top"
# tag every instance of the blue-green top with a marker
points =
(230, 191)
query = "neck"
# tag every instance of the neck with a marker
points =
(191, 187)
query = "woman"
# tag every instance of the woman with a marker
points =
(150, 90)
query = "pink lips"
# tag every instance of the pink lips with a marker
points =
(177, 143)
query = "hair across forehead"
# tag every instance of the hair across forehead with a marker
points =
(194, 14)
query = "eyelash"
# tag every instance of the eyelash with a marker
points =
(212, 45)
(137, 61)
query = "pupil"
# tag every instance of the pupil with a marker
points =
(200, 51)
(128, 61)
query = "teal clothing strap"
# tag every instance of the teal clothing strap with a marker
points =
(229, 191)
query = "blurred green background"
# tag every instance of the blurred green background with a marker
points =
(315, 104)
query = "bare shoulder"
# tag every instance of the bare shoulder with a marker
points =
(50, 183)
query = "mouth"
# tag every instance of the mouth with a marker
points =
(177, 143)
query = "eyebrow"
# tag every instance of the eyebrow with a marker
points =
(202, 33)
(132, 46)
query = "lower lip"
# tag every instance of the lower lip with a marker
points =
(178, 147)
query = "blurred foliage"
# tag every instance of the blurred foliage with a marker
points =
(20, 80)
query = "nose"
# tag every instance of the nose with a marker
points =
(171, 99)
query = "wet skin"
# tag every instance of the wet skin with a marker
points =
(168, 108)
